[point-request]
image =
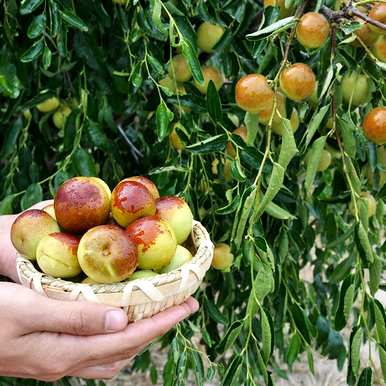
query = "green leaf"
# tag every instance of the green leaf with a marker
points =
(191, 56)
(84, 163)
(213, 102)
(355, 350)
(156, 10)
(266, 335)
(375, 271)
(313, 159)
(10, 85)
(365, 243)
(347, 129)
(28, 6)
(164, 118)
(212, 144)
(314, 124)
(279, 25)
(366, 378)
(382, 359)
(348, 301)
(288, 147)
(252, 124)
(6, 205)
(33, 52)
(73, 20)
(215, 313)
(233, 371)
(301, 321)
(199, 371)
(293, 349)
(46, 59)
(277, 212)
(380, 324)
(33, 195)
(37, 26)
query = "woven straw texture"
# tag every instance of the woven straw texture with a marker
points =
(140, 298)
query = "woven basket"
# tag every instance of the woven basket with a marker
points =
(141, 298)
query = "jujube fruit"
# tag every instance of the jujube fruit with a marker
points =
(370, 202)
(355, 88)
(374, 125)
(378, 13)
(176, 212)
(298, 81)
(29, 228)
(283, 11)
(312, 30)
(142, 274)
(181, 256)
(147, 183)
(48, 105)
(155, 241)
(253, 93)
(210, 74)
(131, 200)
(325, 161)
(208, 35)
(107, 254)
(379, 48)
(60, 116)
(82, 203)
(222, 257)
(366, 35)
(50, 209)
(179, 69)
(242, 132)
(56, 255)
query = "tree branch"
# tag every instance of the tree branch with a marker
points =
(353, 11)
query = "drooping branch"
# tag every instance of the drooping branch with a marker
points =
(354, 11)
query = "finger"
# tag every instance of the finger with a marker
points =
(74, 318)
(106, 371)
(136, 334)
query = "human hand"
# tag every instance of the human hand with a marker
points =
(47, 339)
(7, 251)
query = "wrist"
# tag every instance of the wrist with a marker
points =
(7, 251)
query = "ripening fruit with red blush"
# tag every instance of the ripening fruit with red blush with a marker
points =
(312, 30)
(374, 125)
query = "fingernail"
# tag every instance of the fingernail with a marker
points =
(116, 320)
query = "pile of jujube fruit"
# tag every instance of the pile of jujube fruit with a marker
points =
(126, 234)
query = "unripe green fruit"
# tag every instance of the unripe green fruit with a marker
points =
(142, 274)
(29, 228)
(208, 35)
(179, 69)
(181, 256)
(210, 74)
(379, 48)
(56, 255)
(284, 12)
(325, 161)
(48, 105)
(355, 88)
(222, 257)
(60, 116)
(370, 201)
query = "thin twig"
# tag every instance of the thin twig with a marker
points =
(353, 11)
(134, 151)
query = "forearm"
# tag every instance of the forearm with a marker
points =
(7, 251)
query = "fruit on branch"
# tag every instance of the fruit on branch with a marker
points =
(378, 13)
(50, 209)
(379, 48)
(370, 202)
(155, 240)
(355, 88)
(312, 30)
(210, 74)
(222, 257)
(367, 35)
(325, 161)
(142, 274)
(60, 116)
(298, 81)
(374, 125)
(283, 11)
(29, 228)
(181, 256)
(176, 212)
(208, 35)
(179, 69)
(242, 132)
(107, 254)
(48, 105)
(253, 93)
(82, 203)
(56, 255)
(131, 200)
(172, 85)
(147, 183)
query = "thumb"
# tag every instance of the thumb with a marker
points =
(68, 317)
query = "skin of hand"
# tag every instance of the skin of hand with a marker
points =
(47, 339)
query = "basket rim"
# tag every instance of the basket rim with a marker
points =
(201, 240)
